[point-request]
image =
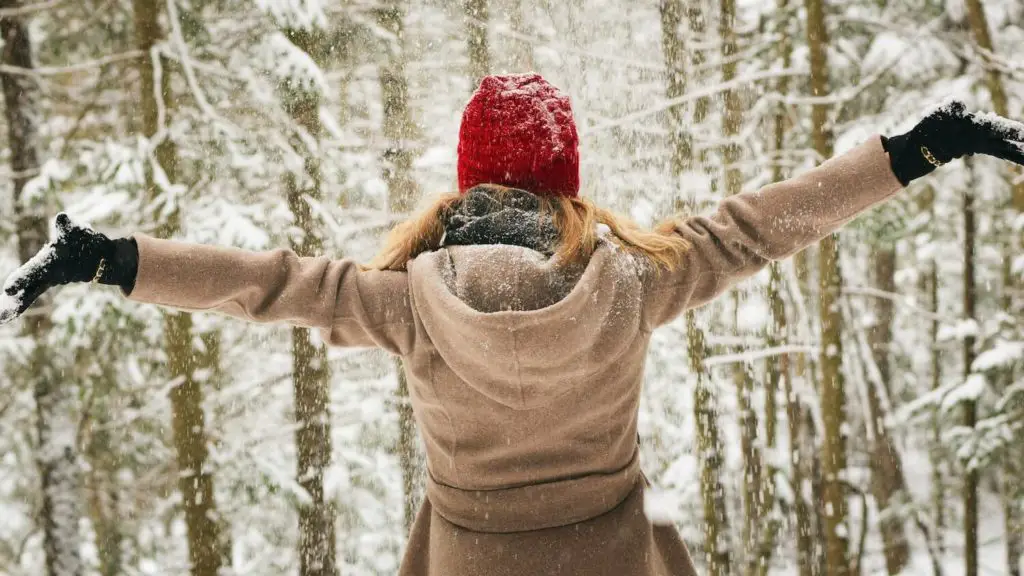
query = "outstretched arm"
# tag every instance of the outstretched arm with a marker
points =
(750, 230)
(351, 307)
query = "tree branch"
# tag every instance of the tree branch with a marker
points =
(73, 68)
(29, 9)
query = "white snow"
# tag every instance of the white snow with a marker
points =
(970, 390)
(1010, 129)
(662, 507)
(297, 14)
(293, 65)
(1001, 354)
(959, 331)
(9, 306)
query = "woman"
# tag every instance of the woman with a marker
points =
(523, 315)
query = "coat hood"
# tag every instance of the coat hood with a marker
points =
(519, 327)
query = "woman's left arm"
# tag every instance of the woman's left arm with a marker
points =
(751, 229)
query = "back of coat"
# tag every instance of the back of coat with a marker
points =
(525, 380)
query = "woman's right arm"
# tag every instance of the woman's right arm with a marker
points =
(351, 306)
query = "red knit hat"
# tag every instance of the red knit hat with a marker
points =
(518, 131)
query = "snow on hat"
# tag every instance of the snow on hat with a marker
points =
(518, 131)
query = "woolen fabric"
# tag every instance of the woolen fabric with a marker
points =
(510, 216)
(518, 131)
(528, 406)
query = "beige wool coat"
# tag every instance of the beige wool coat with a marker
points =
(524, 379)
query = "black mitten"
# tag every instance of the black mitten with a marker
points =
(77, 255)
(950, 132)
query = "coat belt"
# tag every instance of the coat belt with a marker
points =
(534, 506)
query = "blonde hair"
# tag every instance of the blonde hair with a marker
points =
(575, 219)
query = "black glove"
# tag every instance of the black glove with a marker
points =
(77, 255)
(950, 132)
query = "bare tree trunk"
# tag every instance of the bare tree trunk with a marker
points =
(754, 497)
(189, 425)
(887, 480)
(695, 15)
(1011, 473)
(188, 420)
(311, 374)
(709, 444)
(477, 16)
(994, 81)
(711, 454)
(522, 51)
(811, 531)
(1012, 520)
(798, 454)
(56, 413)
(399, 130)
(833, 394)
(970, 410)
(102, 479)
(778, 367)
(675, 54)
(104, 504)
(937, 457)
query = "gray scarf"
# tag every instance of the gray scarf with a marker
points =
(491, 215)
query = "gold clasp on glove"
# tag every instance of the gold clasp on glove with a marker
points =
(930, 157)
(99, 271)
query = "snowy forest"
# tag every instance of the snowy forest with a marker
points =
(854, 410)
